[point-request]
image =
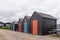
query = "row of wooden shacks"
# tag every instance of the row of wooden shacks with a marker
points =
(37, 24)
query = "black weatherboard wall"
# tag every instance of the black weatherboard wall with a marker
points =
(26, 26)
(45, 23)
(15, 25)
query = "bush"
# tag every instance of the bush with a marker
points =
(6, 27)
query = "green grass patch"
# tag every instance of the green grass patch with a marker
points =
(6, 27)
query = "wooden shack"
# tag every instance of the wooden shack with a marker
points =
(41, 24)
(26, 24)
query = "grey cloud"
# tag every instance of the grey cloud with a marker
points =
(14, 9)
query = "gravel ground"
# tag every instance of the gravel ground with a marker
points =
(1, 36)
(12, 35)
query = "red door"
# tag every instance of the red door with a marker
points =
(20, 27)
(34, 26)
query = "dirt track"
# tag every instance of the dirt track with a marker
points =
(11, 35)
(1, 36)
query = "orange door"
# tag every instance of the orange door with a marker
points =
(35, 24)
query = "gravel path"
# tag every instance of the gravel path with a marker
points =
(12, 35)
(1, 36)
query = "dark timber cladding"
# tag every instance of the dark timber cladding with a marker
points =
(41, 23)
(26, 24)
(20, 26)
(15, 25)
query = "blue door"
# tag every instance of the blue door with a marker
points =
(25, 26)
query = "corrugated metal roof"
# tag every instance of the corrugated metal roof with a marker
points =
(45, 15)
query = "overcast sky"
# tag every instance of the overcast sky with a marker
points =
(12, 10)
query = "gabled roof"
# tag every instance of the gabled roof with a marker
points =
(45, 15)
(28, 17)
(20, 19)
(15, 22)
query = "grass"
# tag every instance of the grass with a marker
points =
(6, 27)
